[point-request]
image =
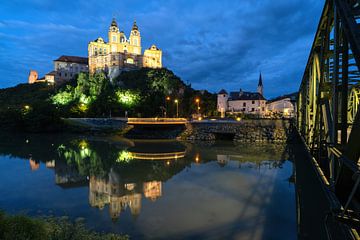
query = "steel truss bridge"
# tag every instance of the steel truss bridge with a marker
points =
(328, 116)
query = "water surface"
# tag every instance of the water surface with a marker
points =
(152, 189)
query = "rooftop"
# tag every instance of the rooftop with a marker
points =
(72, 59)
(246, 96)
(292, 97)
(222, 91)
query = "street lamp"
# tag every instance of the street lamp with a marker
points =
(167, 99)
(197, 100)
(177, 107)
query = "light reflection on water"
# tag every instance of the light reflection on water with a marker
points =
(152, 189)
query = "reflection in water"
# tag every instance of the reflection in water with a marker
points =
(34, 165)
(119, 195)
(121, 178)
(79, 158)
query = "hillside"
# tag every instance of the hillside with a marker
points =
(139, 93)
(25, 94)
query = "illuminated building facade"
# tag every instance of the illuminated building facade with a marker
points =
(242, 102)
(121, 53)
(65, 68)
(283, 106)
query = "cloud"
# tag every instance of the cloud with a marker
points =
(16, 24)
(210, 44)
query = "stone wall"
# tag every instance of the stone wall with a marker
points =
(243, 131)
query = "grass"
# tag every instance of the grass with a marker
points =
(21, 227)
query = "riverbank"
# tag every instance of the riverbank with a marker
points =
(25, 227)
(254, 130)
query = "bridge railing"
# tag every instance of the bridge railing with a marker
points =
(157, 120)
(328, 116)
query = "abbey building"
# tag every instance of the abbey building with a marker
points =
(121, 52)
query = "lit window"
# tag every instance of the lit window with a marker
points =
(130, 61)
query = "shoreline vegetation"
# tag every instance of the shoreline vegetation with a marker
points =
(20, 227)
(40, 107)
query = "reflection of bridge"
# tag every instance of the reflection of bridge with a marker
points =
(157, 156)
(328, 118)
(156, 121)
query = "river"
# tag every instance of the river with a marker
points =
(152, 189)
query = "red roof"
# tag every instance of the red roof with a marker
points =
(73, 59)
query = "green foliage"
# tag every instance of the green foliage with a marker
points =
(87, 89)
(25, 94)
(21, 227)
(65, 96)
(26, 108)
(141, 93)
(127, 98)
(26, 228)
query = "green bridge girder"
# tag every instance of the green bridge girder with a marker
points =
(328, 116)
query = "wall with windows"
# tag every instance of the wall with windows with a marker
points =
(247, 106)
(68, 70)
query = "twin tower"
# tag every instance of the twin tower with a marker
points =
(121, 53)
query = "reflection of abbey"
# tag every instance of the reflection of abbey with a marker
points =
(119, 195)
(120, 53)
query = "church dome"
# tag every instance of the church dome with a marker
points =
(135, 27)
(114, 23)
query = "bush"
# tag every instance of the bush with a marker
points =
(21, 228)
(26, 228)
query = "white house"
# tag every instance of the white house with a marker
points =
(283, 106)
(242, 102)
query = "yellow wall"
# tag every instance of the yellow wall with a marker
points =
(121, 52)
(152, 57)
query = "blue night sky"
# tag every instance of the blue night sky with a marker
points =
(211, 44)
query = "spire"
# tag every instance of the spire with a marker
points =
(114, 23)
(260, 80)
(260, 87)
(135, 27)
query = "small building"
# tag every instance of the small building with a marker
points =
(242, 102)
(68, 67)
(65, 68)
(283, 106)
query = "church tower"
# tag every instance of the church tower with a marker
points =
(135, 39)
(114, 34)
(260, 87)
